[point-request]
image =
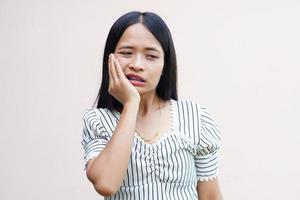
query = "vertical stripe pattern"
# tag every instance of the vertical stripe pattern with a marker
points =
(169, 168)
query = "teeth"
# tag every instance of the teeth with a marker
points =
(135, 78)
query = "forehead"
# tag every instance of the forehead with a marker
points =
(138, 36)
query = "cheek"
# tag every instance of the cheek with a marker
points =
(123, 61)
(161, 67)
(157, 72)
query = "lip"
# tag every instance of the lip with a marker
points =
(136, 82)
(135, 75)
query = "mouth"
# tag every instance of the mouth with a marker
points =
(135, 78)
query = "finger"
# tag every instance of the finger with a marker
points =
(113, 69)
(119, 69)
(109, 70)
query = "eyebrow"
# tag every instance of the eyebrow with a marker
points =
(147, 48)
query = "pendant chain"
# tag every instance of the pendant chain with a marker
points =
(157, 131)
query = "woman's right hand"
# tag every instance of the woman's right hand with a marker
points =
(119, 86)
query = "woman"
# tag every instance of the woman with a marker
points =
(141, 142)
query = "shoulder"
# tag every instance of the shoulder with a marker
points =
(96, 112)
(97, 115)
(100, 119)
(184, 103)
(196, 119)
(194, 107)
(88, 113)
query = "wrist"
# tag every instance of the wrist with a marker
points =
(131, 106)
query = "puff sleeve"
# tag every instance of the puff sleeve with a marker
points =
(94, 135)
(207, 149)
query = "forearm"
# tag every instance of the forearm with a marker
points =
(209, 190)
(213, 197)
(107, 171)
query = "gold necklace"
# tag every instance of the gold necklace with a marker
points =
(156, 134)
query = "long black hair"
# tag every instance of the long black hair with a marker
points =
(167, 86)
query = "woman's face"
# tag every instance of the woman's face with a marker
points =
(140, 53)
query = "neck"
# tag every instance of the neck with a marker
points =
(148, 104)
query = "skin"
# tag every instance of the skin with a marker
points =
(137, 52)
(209, 190)
(140, 53)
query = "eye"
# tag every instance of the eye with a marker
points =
(152, 57)
(125, 53)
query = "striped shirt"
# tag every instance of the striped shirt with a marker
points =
(168, 168)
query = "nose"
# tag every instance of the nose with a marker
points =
(137, 63)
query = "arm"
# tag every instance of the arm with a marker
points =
(207, 158)
(107, 170)
(209, 190)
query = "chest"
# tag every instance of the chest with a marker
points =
(155, 125)
(169, 160)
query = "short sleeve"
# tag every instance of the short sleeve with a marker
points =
(94, 135)
(207, 152)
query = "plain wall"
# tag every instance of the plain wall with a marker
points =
(239, 58)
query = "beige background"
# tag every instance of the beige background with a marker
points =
(239, 58)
